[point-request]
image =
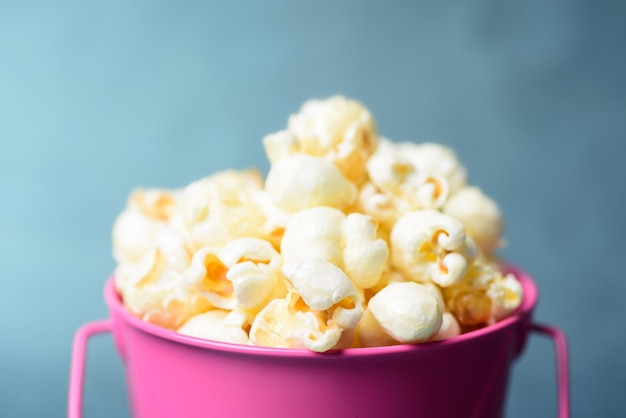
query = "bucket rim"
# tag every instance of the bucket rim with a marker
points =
(521, 315)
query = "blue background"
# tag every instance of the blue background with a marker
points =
(99, 97)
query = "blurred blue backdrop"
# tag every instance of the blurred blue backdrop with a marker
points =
(97, 98)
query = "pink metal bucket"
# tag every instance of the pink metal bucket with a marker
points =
(171, 375)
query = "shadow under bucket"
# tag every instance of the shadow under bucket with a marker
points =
(171, 375)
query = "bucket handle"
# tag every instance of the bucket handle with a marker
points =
(562, 365)
(77, 368)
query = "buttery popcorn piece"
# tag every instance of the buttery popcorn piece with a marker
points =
(216, 325)
(160, 295)
(220, 208)
(432, 158)
(135, 229)
(449, 328)
(276, 219)
(480, 216)
(254, 271)
(281, 324)
(400, 313)
(133, 236)
(324, 287)
(427, 245)
(300, 182)
(244, 274)
(505, 293)
(485, 296)
(341, 131)
(397, 185)
(168, 241)
(155, 204)
(320, 313)
(364, 255)
(315, 232)
(348, 242)
(449, 325)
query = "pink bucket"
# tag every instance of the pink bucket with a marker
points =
(171, 375)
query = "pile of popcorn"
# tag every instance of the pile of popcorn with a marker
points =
(351, 240)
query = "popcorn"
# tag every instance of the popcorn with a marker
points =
(381, 206)
(156, 204)
(282, 325)
(217, 325)
(350, 240)
(173, 246)
(427, 245)
(400, 313)
(219, 208)
(505, 293)
(315, 232)
(449, 328)
(390, 275)
(136, 227)
(324, 287)
(321, 312)
(254, 271)
(436, 292)
(485, 296)
(396, 185)
(280, 145)
(244, 274)
(276, 219)
(300, 182)
(207, 274)
(431, 158)
(159, 294)
(165, 239)
(339, 130)
(449, 325)
(133, 236)
(364, 256)
(480, 216)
